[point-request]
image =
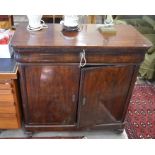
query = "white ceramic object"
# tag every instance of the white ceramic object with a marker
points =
(35, 23)
(70, 20)
(109, 21)
(34, 20)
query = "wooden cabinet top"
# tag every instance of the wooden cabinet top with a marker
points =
(89, 36)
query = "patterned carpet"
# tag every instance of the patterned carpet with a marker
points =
(141, 113)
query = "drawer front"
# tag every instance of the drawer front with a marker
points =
(73, 55)
(7, 110)
(6, 98)
(108, 58)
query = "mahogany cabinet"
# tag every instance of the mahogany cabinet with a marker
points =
(77, 80)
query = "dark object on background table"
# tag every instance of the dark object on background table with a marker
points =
(6, 21)
(70, 29)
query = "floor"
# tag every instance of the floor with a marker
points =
(86, 135)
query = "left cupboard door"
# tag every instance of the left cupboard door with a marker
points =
(51, 94)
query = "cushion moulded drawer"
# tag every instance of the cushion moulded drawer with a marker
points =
(73, 55)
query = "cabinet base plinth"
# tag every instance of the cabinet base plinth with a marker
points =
(28, 133)
(116, 127)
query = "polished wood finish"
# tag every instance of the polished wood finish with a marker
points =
(58, 94)
(88, 37)
(9, 92)
(97, 104)
(73, 55)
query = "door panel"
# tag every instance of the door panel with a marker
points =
(103, 91)
(52, 93)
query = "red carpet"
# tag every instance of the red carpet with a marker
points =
(141, 113)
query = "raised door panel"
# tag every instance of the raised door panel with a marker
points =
(52, 93)
(104, 91)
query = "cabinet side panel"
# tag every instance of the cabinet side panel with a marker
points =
(21, 69)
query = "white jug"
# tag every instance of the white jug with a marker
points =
(70, 21)
(35, 23)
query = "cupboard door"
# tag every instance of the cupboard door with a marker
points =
(104, 91)
(52, 93)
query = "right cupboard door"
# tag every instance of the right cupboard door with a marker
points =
(103, 94)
